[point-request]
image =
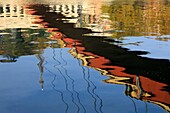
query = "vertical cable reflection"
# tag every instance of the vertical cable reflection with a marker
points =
(60, 92)
(88, 90)
(93, 91)
(73, 85)
(89, 82)
(65, 79)
(133, 104)
(146, 105)
(93, 95)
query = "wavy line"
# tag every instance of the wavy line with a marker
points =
(88, 87)
(72, 81)
(77, 94)
(66, 81)
(133, 104)
(61, 93)
(54, 55)
(93, 91)
(146, 107)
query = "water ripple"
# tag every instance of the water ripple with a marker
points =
(72, 84)
(92, 92)
(61, 93)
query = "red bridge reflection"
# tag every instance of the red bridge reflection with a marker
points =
(137, 86)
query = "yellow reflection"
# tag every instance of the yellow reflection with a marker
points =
(133, 89)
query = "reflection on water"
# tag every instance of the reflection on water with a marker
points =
(41, 68)
(64, 49)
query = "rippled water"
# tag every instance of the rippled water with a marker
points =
(84, 56)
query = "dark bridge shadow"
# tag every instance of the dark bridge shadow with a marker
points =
(156, 69)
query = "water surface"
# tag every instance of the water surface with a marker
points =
(84, 57)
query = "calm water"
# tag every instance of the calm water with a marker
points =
(84, 56)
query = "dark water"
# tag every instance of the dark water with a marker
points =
(84, 56)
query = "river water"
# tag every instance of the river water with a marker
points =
(100, 56)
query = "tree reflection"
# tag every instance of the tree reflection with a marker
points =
(138, 18)
(18, 42)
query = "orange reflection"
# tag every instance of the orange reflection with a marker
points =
(151, 90)
(142, 87)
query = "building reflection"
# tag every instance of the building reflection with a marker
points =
(11, 11)
(12, 16)
(137, 17)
